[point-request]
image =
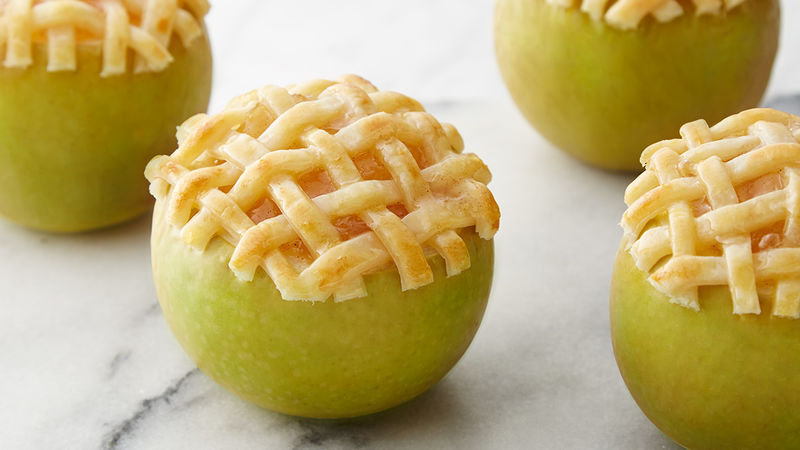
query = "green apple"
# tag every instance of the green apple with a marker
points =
(602, 94)
(73, 145)
(322, 359)
(709, 379)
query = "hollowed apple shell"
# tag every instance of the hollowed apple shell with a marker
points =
(73, 145)
(323, 359)
(708, 379)
(603, 94)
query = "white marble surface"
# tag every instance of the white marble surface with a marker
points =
(87, 361)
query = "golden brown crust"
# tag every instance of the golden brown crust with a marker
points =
(144, 26)
(627, 14)
(722, 206)
(259, 148)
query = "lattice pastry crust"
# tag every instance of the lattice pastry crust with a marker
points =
(144, 26)
(722, 206)
(627, 14)
(372, 157)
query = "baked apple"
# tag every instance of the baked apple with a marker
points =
(705, 297)
(89, 92)
(602, 79)
(322, 250)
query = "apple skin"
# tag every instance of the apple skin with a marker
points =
(323, 359)
(708, 379)
(73, 145)
(603, 94)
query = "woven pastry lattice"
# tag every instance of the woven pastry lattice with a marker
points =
(144, 26)
(722, 206)
(285, 175)
(627, 14)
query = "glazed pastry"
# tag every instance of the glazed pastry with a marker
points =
(89, 92)
(628, 14)
(705, 299)
(341, 233)
(602, 79)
